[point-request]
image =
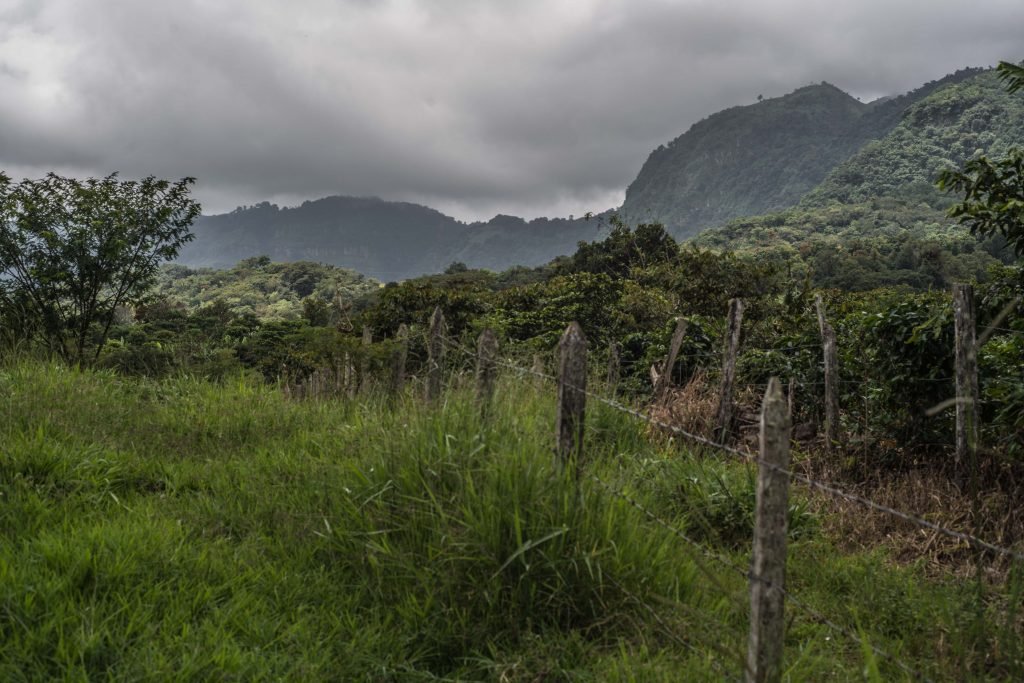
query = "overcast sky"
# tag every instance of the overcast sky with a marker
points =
(474, 107)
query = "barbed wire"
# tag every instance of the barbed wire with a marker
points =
(1006, 329)
(749, 575)
(970, 539)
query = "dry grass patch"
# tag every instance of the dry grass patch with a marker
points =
(928, 493)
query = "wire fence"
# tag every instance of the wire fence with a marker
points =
(749, 456)
(830, 489)
(704, 556)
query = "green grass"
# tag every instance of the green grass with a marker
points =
(182, 530)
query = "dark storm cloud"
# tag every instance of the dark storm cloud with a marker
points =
(475, 106)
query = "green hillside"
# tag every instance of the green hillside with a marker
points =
(878, 219)
(256, 286)
(762, 157)
(745, 160)
(943, 130)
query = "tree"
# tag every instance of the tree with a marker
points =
(993, 194)
(993, 191)
(1012, 75)
(72, 251)
(624, 249)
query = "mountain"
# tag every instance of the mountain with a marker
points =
(384, 240)
(506, 241)
(877, 218)
(762, 157)
(785, 159)
(943, 130)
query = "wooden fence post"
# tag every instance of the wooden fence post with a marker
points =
(435, 354)
(486, 368)
(732, 344)
(614, 368)
(350, 375)
(364, 363)
(791, 398)
(538, 370)
(831, 361)
(572, 398)
(339, 379)
(664, 380)
(398, 359)
(768, 564)
(966, 377)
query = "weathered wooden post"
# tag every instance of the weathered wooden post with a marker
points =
(831, 361)
(350, 376)
(768, 564)
(791, 398)
(435, 354)
(398, 359)
(572, 397)
(364, 363)
(664, 380)
(732, 345)
(486, 369)
(538, 370)
(966, 377)
(614, 368)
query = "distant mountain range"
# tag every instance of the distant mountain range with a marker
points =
(813, 147)
(385, 240)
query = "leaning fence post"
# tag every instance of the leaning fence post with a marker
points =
(665, 378)
(966, 376)
(768, 564)
(435, 354)
(614, 368)
(572, 398)
(486, 368)
(831, 362)
(398, 358)
(364, 363)
(732, 344)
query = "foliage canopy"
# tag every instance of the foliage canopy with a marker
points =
(72, 251)
(993, 191)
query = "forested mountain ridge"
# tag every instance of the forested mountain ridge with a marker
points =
(942, 130)
(878, 218)
(386, 240)
(796, 154)
(763, 157)
(382, 239)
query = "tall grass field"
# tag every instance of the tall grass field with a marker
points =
(185, 530)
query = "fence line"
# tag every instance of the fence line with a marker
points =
(752, 457)
(766, 574)
(1004, 329)
(725, 561)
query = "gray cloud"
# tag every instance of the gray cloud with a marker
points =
(471, 106)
